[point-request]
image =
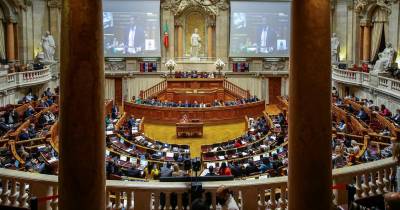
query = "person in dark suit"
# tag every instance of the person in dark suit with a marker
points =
(396, 118)
(266, 37)
(12, 117)
(134, 37)
(362, 115)
(24, 135)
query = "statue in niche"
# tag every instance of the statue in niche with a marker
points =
(49, 47)
(386, 59)
(335, 48)
(195, 44)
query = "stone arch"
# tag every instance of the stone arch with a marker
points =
(8, 11)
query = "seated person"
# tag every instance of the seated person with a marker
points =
(24, 135)
(43, 103)
(396, 118)
(265, 165)
(385, 111)
(32, 131)
(48, 93)
(11, 117)
(236, 170)
(362, 115)
(166, 170)
(114, 112)
(29, 97)
(211, 171)
(341, 127)
(134, 172)
(224, 170)
(4, 128)
(29, 112)
(385, 132)
(251, 168)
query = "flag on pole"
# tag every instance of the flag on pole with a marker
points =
(166, 35)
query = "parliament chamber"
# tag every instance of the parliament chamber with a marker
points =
(199, 104)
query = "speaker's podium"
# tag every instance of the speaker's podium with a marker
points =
(189, 128)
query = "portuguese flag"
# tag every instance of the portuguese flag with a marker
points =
(166, 38)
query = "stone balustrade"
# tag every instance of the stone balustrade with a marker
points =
(368, 80)
(370, 179)
(22, 79)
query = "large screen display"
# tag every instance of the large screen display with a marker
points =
(131, 28)
(260, 29)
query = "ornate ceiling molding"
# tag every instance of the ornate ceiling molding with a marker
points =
(211, 7)
(366, 7)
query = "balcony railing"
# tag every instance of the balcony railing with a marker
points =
(369, 179)
(22, 79)
(380, 83)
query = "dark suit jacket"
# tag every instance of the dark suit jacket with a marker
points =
(139, 37)
(271, 37)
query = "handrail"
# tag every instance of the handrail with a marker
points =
(154, 90)
(381, 83)
(370, 179)
(25, 78)
(236, 90)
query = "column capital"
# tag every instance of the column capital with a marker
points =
(365, 22)
(178, 23)
(54, 3)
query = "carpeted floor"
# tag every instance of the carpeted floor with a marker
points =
(212, 134)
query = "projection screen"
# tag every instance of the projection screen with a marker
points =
(131, 28)
(260, 29)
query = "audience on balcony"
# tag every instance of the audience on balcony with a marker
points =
(194, 74)
(195, 104)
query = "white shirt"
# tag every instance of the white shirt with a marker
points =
(230, 204)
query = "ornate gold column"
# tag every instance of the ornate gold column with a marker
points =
(82, 139)
(10, 42)
(209, 41)
(310, 106)
(178, 24)
(361, 45)
(366, 42)
(210, 38)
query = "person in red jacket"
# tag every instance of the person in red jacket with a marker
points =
(224, 170)
(384, 111)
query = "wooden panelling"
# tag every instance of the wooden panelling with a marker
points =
(118, 91)
(274, 87)
(207, 115)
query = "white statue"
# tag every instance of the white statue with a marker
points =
(386, 59)
(335, 48)
(195, 44)
(49, 47)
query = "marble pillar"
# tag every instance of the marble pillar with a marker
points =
(180, 41)
(367, 43)
(82, 138)
(310, 107)
(10, 42)
(210, 41)
(54, 10)
(361, 45)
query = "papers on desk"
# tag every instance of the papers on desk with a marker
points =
(129, 149)
(210, 164)
(205, 172)
(169, 155)
(221, 157)
(52, 160)
(133, 160)
(256, 158)
(121, 140)
(123, 158)
(107, 153)
(109, 132)
(273, 137)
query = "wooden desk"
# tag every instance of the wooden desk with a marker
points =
(189, 129)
